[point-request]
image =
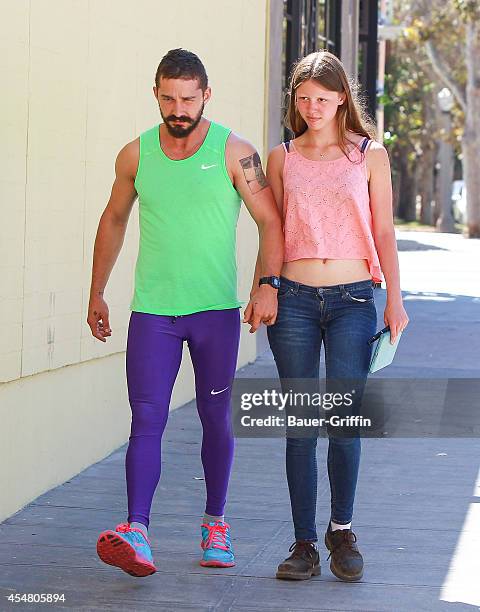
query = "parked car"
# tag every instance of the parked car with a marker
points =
(459, 201)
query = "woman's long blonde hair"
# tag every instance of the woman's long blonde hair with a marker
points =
(328, 71)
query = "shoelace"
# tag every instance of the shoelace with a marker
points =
(125, 528)
(217, 536)
(348, 539)
(299, 548)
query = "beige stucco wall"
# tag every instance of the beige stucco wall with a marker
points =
(76, 80)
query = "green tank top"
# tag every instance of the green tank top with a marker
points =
(188, 216)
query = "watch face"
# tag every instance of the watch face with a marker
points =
(276, 282)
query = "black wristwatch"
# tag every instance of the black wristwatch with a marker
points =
(274, 281)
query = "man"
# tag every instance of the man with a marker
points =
(189, 174)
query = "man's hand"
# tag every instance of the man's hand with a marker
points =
(98, 318)
(262, 307)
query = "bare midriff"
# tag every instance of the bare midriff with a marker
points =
(326, 272)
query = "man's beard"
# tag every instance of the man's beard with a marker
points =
(178, 131)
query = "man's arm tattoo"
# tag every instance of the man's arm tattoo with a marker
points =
(253, 172)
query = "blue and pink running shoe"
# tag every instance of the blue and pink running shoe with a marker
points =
(216, 545)
(127, 548)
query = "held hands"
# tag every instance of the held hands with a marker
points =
(395, 317)
(262, 307)
(98, 318)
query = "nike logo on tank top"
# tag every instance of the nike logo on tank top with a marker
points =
(188, 212)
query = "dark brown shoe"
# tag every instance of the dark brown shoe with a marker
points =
(346, 562)
(302, 564)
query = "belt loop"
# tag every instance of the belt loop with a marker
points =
(343, 290)
(296, 288)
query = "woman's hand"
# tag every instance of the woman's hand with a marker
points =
(395, 317)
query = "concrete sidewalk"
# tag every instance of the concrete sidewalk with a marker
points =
(417, 512)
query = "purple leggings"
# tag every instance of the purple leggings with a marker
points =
(154, 353)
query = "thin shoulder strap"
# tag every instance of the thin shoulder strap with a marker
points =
(364, 144)
(286, 146)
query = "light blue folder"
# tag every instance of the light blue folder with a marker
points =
(383, 352)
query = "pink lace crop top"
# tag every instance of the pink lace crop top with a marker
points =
(326, 208)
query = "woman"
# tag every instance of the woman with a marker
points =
(332, 185)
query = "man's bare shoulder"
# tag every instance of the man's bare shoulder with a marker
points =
(236, 145)
(127, 159)
(240, 155)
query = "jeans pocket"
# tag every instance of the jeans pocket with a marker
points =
(360, 296)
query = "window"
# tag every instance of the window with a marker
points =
(308, 25)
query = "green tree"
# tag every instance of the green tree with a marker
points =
(450, 33)
(407, 124)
